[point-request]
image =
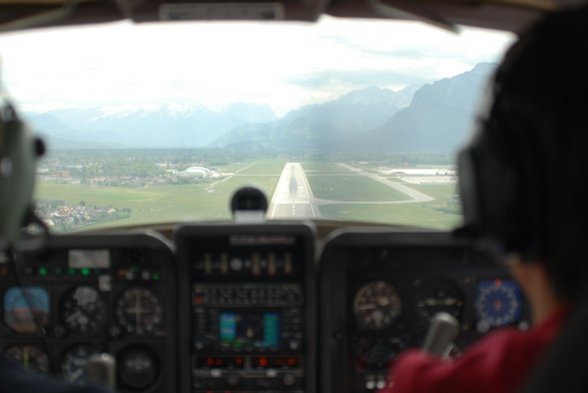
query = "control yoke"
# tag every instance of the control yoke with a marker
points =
(443, 330)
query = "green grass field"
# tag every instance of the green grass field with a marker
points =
(439, 214)
(352, 188)
(441, 192)
(322, 167)
(263, 167)
(165, 203)
(209, 199)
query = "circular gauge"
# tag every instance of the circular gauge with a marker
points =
(440, 296)
(378, 355)
(137, 368)
(83, 311)
(377, 305)
(28, 356)
(499, 303)
(138, 311)
(73, 363)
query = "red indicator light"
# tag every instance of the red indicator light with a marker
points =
(292, 362)
(209, 361)
(498, 282)
(239, 361)
(263, 362)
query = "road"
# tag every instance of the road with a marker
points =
(416, 196)
(293, 196)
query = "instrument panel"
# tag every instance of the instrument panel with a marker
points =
(238, 308)
(248, 291)
(383, 290)
(84, 295)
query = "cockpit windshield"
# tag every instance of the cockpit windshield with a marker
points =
(340, 120)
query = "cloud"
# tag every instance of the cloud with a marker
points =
(285, 65)
(360, 78)
(409, 52)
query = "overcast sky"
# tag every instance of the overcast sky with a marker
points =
(214, 64)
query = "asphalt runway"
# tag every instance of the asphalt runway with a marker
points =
(293, 197)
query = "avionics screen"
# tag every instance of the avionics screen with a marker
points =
(249, 330)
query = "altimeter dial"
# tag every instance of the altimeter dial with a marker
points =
(377, 305)
(83, 310)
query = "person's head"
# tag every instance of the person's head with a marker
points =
(521, 179)
(19, 151)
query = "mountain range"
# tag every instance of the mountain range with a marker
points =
(316, 127)
(433, 118)
(165, 126)
(439, 118)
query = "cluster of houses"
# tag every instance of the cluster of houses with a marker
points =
(170, 176)
(61, 215)
(64, 216)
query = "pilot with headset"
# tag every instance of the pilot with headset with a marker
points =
(520, 182)
(19, 152)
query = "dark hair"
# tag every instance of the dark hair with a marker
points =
(544, 77)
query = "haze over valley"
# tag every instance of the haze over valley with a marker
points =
(432, 118)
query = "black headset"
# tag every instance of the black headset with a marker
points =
(501, 178)
(19, 152)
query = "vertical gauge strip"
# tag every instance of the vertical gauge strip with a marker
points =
(377, 305)
(139, 311)
(30, 357)
(83, 311)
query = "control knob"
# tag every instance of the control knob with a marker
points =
(289, 380)
(233, 380)
(294, 344)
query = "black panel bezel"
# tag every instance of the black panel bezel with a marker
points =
(187, 236)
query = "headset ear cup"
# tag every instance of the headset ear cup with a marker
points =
(18, 157)
(468, 189)
(488, 186)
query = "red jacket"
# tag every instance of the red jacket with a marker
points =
(498, 363)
